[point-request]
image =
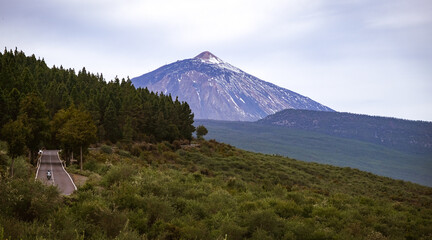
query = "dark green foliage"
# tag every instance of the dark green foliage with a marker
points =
(3, 108)
(79, 131)
(119, 111)
(13, 104)
(110, 123)
(106, 149)
(15, 134)
(24, 200)
(201, 131)
(35, 116)
(30, 123)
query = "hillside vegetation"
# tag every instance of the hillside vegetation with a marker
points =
(212, 191)
(318, 147)
(398, 134)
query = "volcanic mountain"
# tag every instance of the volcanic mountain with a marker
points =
(217, 90)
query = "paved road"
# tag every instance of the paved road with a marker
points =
(60, 178)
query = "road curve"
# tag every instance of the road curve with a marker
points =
(50, 161)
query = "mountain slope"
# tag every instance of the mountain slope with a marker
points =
(217, 90)
(398, 134)
(317, 147)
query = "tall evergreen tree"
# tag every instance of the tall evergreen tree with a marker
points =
(13, 103)
(161, 131)
(25, 82)
(3, 109)
(128, 131)
(35, 117)
(110, 123)
(15, 134)
(186, 122)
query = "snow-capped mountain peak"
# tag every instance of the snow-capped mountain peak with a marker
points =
(215, 89)
(209, 58)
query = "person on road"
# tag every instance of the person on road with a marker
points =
(49, 175)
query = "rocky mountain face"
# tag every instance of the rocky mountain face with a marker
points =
(217, 90)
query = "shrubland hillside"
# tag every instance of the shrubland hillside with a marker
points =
(313, 146)
(211, 190)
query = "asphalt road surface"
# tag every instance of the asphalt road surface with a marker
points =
(59, 177)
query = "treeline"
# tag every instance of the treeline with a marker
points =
(119, 111)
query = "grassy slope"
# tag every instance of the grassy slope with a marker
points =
(213, 190)
(321, 148)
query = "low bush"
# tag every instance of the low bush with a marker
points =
(124, 153)
(106, 149)
(119, 173)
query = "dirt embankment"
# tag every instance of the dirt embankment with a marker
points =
(79, 180)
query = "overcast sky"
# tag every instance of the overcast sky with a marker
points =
(361, 56)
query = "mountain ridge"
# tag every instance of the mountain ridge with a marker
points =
(313, 146)
(404, 135)
(218, 90)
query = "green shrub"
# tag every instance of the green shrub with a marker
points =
(126, 196)
(287, 209)
(91, 165)
(267, 221)
(22, 169)
(170, 156)
(236, 184)
(124, 153)
(119, 173)
(106, 149)
(136, 150)
(164, 147)
(28, 200)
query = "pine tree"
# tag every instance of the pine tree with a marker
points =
(110, 123)
(201, 131)
(15, 134)
(4, 117)
(35, 117)
(13, 103)
(161, 131)
(186, 120)
(128, 131)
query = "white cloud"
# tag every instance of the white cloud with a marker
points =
(401, 14)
